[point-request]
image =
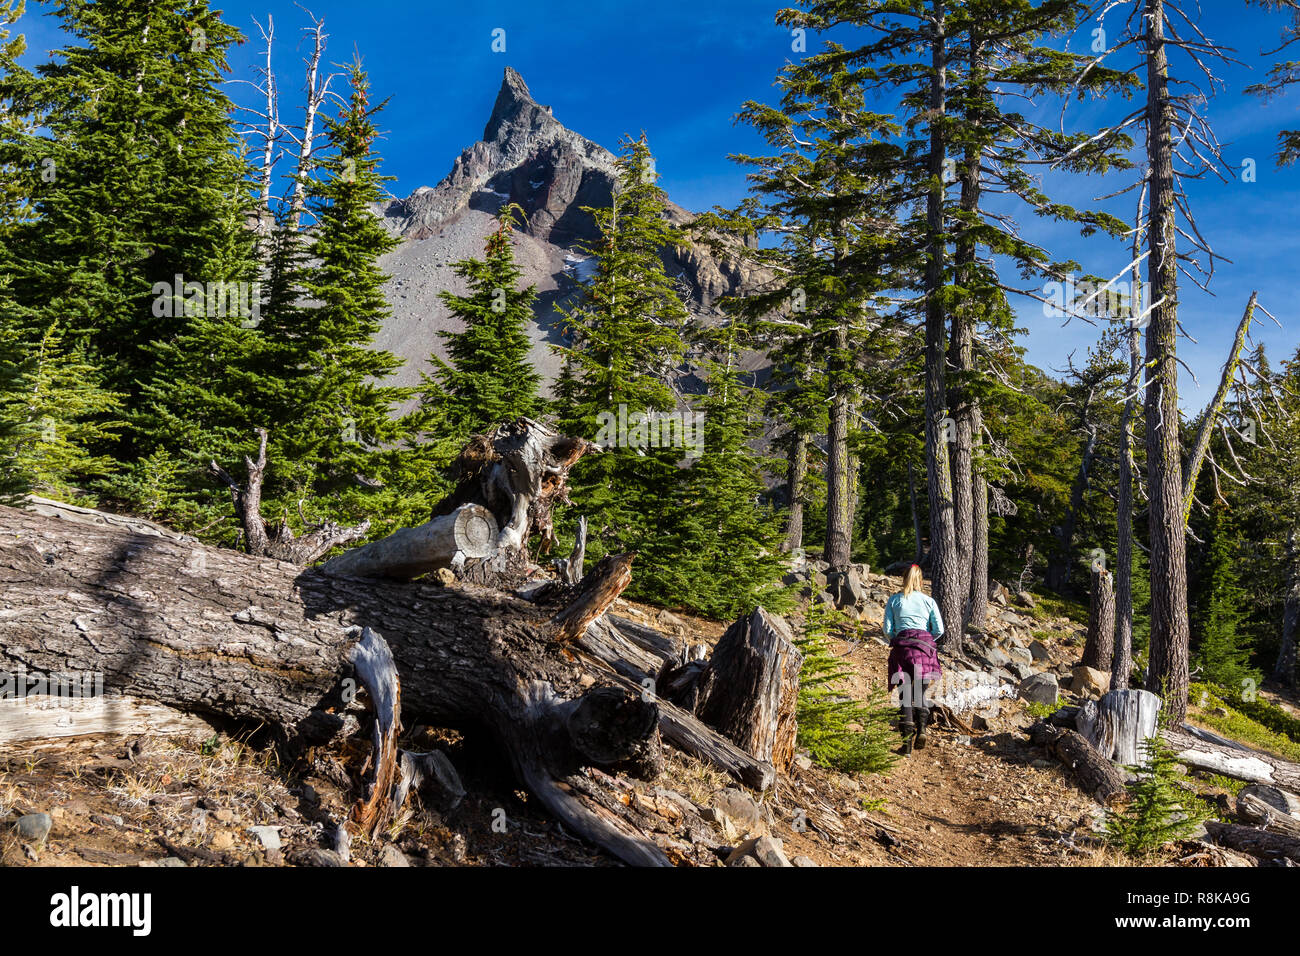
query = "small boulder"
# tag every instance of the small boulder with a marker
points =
(1020, 669)
(1039, 651)
(34, 827)
(1025, 599)
(392, 856)
(1039, 689)
(802, 861)
(845, 588)
(1020, 654)
(1089, 682)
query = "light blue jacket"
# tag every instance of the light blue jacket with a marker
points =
(917, 611)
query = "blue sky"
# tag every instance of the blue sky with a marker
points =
(680, 71)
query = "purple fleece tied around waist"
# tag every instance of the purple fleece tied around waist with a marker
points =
(913, 652)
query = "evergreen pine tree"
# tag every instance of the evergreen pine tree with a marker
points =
(1159, 809)
(1221, 648)
(133, 182)
(626, 342)
(837, 730)
(721, 547)
(55, 408)
(489, 378)
(335, 441)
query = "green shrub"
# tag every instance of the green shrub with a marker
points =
(1160, 810)
(838, 731)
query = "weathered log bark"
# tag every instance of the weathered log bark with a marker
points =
(1208, 751)
(1099, 651)
(214, 632)
(593, 597)
(635, 660)
(796, 479)
(469, 531)
(1093, 773)
(280, 542)
(750, 691)
(1260, 843)
(1120, 723)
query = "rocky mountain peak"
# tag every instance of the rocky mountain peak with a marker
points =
(516, 113)
(530, 158)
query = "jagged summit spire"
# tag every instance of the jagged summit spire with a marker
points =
(516, 110)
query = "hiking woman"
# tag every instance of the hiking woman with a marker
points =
(913, 624)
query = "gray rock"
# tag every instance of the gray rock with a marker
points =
(392, 856)
(1040, 689)
(846, 588)
(1039, 651)
(1025, 599)
(172, 861)
(269, 837)
(802, 861)
(34, 827)
(745, 860)
(1021, 670)
(314, 856)
(739, 807)
(1020, 654)
(996, 657)
(770, 852)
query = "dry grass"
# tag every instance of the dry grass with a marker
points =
(693, 779)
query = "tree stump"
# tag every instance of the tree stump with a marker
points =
(750, 691)
(1120, 723)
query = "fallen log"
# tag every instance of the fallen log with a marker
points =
(633, 664)
(1094, 774)
(1206, 750)
(1260, 843)
(1269, 808)
(235, 637)
(470, 531)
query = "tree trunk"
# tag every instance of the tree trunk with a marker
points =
(750, 691)
(1210, 418)
(218, 633)
(1099, 651)
(794, 486)
(945, 568)
(839, 482)
(1167, 675)
(916, 514)
(1122, 665)
(979, 569)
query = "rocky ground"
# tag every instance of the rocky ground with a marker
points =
(982, 799)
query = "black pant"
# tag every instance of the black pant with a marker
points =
(914, 705)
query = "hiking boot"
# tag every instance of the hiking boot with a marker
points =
(922, 718)
(906, 729)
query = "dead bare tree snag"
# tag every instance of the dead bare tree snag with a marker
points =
(279, 543)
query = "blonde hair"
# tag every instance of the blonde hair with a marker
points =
(911, 580)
